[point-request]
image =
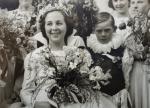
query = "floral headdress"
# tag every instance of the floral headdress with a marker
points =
(52, 8)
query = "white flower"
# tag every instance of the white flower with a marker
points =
(140, 47)
(97, 87)
(84, 68)
(97, 68)
(96, 73)
(72, 65)
(18, 40)
(51, 71)
(77, 53)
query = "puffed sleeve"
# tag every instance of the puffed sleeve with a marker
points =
(28, 86)
(75, 41)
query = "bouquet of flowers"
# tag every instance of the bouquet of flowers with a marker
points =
(71, 79)
(139, 39)
(8, 31)
(75, 81)
(98, 77)
(13, 31)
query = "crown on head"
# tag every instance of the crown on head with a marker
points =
(51, 8)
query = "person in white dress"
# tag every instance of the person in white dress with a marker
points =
(121, 15)
(135, 57)
(103, 6)
(45, 62)
(40, 40)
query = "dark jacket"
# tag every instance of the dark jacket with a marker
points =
(117, 81)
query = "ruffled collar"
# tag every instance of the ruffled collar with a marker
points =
(98, 47)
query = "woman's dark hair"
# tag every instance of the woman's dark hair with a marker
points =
(68, 21)
(110, 4)
(103, 17)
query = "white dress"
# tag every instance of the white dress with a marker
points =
(136, 72)
(36, 70)
(119, 20)
(103, 6)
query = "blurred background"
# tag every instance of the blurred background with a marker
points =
(13, 4)
(9, 4)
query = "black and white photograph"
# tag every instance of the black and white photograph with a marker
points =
(74, 53)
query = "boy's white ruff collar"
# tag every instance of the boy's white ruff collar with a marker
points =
(98, 47)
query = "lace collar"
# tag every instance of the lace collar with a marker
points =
(98, 47)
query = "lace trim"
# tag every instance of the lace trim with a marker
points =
(98, 47)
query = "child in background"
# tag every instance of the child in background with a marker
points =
(121, 16)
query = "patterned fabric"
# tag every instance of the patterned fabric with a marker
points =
(41, 85)
(39, 66)
(136, 61)
(21, 16)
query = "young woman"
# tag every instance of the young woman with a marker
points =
(121, 15)
(41, 86)
(136, 54)
(121, 9)
(72, 40)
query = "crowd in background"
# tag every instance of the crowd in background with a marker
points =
(114, 35)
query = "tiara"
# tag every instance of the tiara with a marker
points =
(49, 7)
